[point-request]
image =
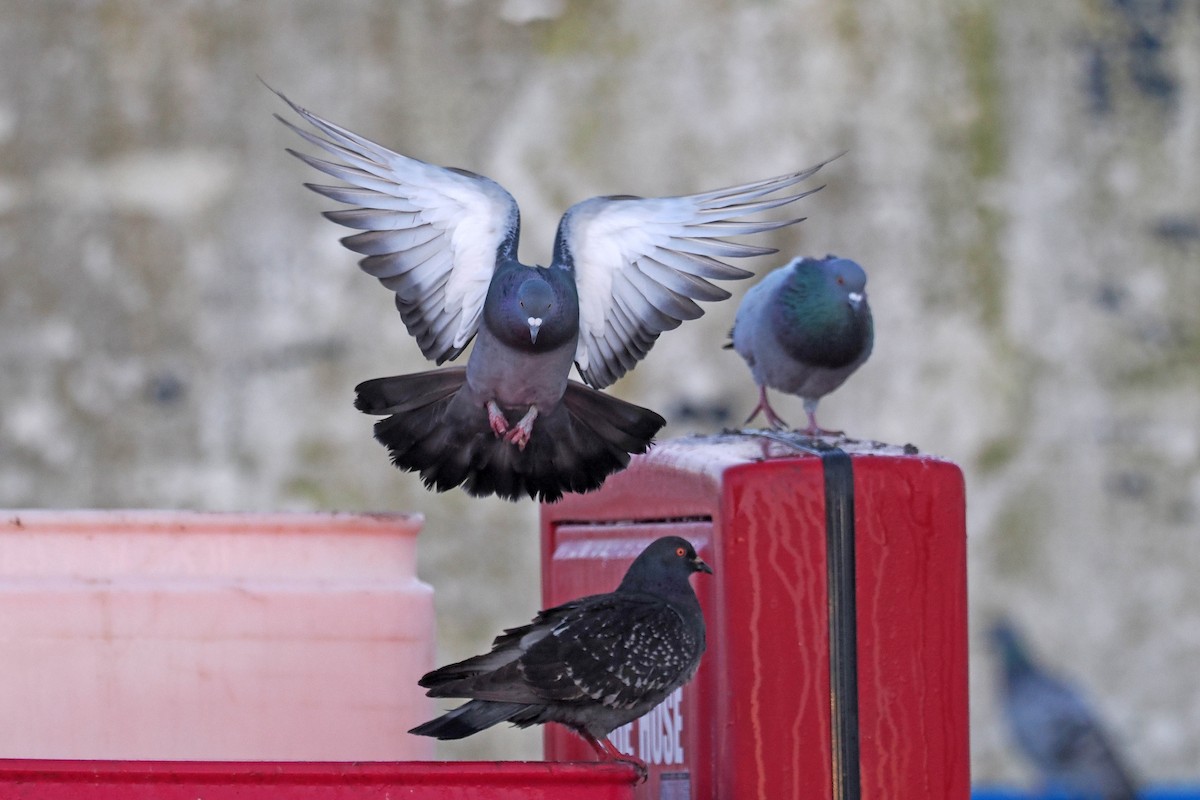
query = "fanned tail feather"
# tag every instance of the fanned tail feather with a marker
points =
(408, 392)
(434, 429)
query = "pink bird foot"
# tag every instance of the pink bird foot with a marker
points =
(519, 434)
(608, 752)
(773, 419)
(813, 429)
(496, 419)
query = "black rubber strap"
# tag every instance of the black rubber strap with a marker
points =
(843, 623)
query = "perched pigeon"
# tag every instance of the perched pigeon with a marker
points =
(592, 664)
(803, 329)
(1055, 728)
(624, 270)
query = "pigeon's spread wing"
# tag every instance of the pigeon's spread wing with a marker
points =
(431, 234)
(642, 263)
(616, 653)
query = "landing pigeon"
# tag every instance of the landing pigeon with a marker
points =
(1055, 728)
(624, 270)
(803, 330)
(592, 664)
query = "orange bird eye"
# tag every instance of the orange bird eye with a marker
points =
(681, 552)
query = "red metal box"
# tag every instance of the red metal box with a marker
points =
(758, 719)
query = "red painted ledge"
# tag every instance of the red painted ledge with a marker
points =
(38, 779)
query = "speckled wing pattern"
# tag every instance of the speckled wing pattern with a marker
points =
(616, 651)
(433, 235)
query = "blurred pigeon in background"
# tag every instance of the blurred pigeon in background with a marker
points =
(803, 330)
(624, 270)
(1054, 728)
(592, 664)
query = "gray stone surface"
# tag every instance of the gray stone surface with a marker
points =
(178, 327)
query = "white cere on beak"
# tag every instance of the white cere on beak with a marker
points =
(855, 298)
(535, 325)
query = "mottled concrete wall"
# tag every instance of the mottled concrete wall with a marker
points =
(178, 327)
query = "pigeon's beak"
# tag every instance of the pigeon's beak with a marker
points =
(700, 566)
(856, 299)
(535, 325)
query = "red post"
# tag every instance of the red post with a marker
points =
(759, 718)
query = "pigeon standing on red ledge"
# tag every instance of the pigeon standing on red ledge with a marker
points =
(624, 270)
(803, 330)
(592, 664)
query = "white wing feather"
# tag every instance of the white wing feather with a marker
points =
(432, 235)
(642, 263)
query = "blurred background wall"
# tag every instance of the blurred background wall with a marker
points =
(180, 329)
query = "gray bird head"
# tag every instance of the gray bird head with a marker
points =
(849, 278)
(1007, 644)
(535, 298)
(664, 567)
(821, 317)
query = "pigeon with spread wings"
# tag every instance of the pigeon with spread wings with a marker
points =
(624, 270)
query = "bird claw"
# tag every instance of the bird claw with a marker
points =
(774, 420)
(520, 433)
(518, 436)
(643, 772)
(814, 429)
(777, 422)
(609, 752)
(496, 419)
(819, 431)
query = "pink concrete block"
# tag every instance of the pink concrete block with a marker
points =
(178, 635)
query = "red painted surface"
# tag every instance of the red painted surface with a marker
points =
(756, 720)
(414, 780)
